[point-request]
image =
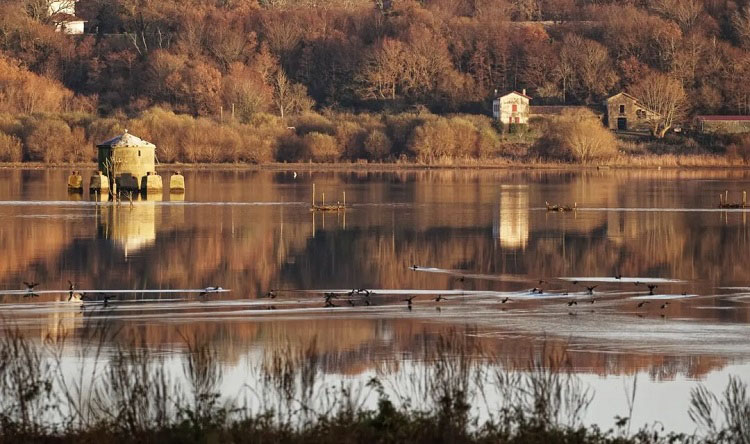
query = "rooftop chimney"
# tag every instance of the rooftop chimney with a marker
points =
(524, 91)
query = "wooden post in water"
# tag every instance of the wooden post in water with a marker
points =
(726, 197)
(313, 196)
(324, 200)
(721, 200)
(344, 199)
(744, 199)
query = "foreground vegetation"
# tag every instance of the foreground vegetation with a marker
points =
(133, 393)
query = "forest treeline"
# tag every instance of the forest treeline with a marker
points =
(267, 64)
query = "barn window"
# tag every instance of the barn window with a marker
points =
(139, 153)
(515, 108)
(622, 109)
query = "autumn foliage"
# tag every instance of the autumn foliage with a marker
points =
(266, 64)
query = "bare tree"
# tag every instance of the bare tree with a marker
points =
(683, 12)
(289, 97)
(665, 97)
(741, 25)
(43, 10)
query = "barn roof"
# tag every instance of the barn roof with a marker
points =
(125, 140)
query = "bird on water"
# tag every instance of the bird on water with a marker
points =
(409, 301)
(651, 288)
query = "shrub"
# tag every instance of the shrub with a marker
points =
(322, 147)
(579, 136)
(10, 148)
(377, 145)
(47, 140)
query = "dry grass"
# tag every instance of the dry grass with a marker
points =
(132, 394)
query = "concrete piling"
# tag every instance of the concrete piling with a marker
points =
(75, 182)
(177, 183)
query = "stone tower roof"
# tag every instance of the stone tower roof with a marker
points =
(125, 140)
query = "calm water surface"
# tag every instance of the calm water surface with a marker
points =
(476, 238)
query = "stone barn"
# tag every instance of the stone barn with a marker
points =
(512, 108)
(626, 113)
(130, 158)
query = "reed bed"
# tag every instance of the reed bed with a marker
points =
(457, 394)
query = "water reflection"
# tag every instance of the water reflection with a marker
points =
(252, 231)
(132, 227)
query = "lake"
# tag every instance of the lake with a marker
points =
(482, 240)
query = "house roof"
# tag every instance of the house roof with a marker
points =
(516, 93)
(724, 118)
(623, 93)
(125, 140)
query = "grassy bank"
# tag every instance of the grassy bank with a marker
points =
(405, 140)
(459, 394)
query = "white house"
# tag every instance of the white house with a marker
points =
(62, 13)
(512, 108)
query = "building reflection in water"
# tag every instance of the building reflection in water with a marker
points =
(131, 227)
(511, 224)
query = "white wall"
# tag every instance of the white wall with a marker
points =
(508, 115)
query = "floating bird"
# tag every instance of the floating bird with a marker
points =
(651, 288)
(505, 300)
(641, 304)
(591, 289)
(328, 297)
(294, 175)
(439, 298)
(560, 207)
(413, 267)
(572, 303)
(106, 299)
(664, 305)
(271, 294)
(71, 285)
(618, 276)
(363, 291)
(31, 294)
(209, 290)
(30, 285)
(460, 278)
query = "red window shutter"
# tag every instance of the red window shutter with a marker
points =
(515, 108)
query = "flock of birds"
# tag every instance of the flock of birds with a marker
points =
(360, 296)
(364, 297)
